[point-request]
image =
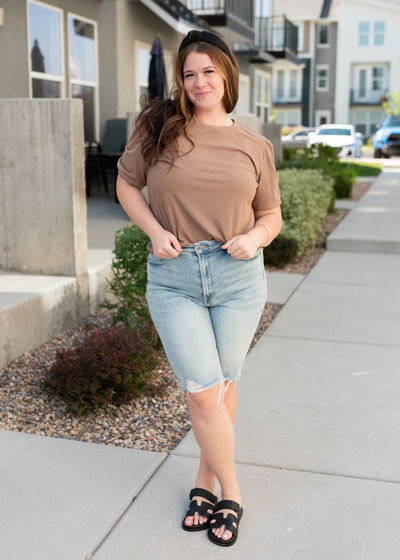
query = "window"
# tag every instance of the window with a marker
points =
(379, 32)
(280, 117)
(322, 78)
(363, 33)
(376, 118)
(83, 70)
(362, 83)
(300, 41)
(323, 35)
(289, 117)
(361, 122)
(366, 121)
(377, 77)
(279, 36)
(293, 118)
(293, 84)
(143, 65)
(280, 78)
(262, 97)
(45, 41)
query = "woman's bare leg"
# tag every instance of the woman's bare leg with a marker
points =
(213, 430)
(205, 476)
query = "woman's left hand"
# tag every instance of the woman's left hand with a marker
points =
(241, 247)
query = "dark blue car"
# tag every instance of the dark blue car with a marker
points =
(386, 139)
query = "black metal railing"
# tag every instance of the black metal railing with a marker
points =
(287, 95)
(239, 9)
(362, 96)
(177, 9)
(276, 33)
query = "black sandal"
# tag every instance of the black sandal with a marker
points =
(201, 509)
(227, 521)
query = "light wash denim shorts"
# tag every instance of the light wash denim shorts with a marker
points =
(206, 306)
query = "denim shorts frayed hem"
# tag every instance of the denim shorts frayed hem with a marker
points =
(194, 387)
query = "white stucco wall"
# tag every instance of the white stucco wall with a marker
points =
(349, 52)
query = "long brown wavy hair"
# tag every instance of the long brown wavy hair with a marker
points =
(163, 120)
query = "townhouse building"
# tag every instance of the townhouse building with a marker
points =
(368, 61)
(348, 51)
(99, 50)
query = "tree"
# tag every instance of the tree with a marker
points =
(391, 103)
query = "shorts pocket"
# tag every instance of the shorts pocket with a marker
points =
(257, 254)
(152, 259)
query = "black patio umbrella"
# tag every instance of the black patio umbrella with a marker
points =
(157, 79)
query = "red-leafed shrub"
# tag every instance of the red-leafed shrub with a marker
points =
(108, 367)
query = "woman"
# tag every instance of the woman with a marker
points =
(215, 203)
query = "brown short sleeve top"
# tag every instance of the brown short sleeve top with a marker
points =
(212, 190)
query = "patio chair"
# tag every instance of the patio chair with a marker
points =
(100, 160)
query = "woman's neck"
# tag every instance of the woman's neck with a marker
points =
(207, 117)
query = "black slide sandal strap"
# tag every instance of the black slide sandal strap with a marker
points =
(227, 521)
(227, 504)
(201, 509)
(204, 494)
(222, 542)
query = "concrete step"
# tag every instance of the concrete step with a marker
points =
(33, 310)
(36, 308)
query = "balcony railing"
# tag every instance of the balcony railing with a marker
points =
(365, 96)
(239, 9)
(276, 33)
(290, 95)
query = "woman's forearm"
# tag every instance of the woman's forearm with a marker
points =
(135, 205)
(260, 234)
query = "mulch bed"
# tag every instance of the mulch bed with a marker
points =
(150, 422)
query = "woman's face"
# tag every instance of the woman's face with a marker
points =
(203, 83)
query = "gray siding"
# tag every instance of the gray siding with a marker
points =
(324, 100)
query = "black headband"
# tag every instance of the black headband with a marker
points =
(206, 36)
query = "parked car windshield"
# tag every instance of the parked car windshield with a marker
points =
(334, 132)
(394, 121)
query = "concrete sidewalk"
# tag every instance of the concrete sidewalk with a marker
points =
(316, 430)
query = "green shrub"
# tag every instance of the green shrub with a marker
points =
(108, 367)
(288, 153)
(324, 158)
(344, 180)
(128, 283)
(306, 197)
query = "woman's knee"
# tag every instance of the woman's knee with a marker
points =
(206, 399)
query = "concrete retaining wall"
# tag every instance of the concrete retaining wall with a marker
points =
(42, 191)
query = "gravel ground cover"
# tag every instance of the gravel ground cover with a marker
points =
(151, 422)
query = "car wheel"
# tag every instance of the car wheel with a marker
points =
(377, 153)
(386, 156)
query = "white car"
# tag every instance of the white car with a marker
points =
(342, 137)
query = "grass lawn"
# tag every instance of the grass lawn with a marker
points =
(364, 169)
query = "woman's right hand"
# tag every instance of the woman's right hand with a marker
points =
(165, 245)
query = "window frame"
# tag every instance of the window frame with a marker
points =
(375, 33)
(88, 83)
(168, 62)
(321, 67)
(263, 75)
(364, 33)
(328, 33)
(300, 35)
(41, 75)
(286, 116)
